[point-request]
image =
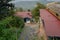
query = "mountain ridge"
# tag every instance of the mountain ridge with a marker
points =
(29, 4)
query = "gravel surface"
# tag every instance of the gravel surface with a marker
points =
(29, 32)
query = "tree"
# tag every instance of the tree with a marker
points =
(5, 8)
(40, 6)
(20, 9)
(9, 24)
(35, 11)
(28, 10)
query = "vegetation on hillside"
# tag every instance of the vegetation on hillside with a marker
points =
(10, 25)
(20, 9)
(5, 8)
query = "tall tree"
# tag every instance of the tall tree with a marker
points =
(5, 8)
(35, 11)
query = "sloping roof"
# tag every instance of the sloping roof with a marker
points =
(52, 24)
(24, 14)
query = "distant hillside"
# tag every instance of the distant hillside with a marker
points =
(29, 4)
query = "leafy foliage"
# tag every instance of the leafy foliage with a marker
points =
(21, 9)
(35, 11)
(5, 8)
(9, 27)
(17, 22)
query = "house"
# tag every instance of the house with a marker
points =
(54, 9)
(51, 25)
(27, 16)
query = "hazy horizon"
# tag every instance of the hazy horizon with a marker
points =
(29, 4)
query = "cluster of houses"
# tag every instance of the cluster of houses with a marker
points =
(51, 24)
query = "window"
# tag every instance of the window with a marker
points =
(57, 14)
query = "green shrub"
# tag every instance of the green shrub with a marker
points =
(9, 27)
(17, 22)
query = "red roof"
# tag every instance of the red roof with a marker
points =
(52, 24)
(24, 14)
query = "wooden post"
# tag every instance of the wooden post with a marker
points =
(53, 38)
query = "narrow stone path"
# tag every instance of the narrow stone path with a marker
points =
(30, 32)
